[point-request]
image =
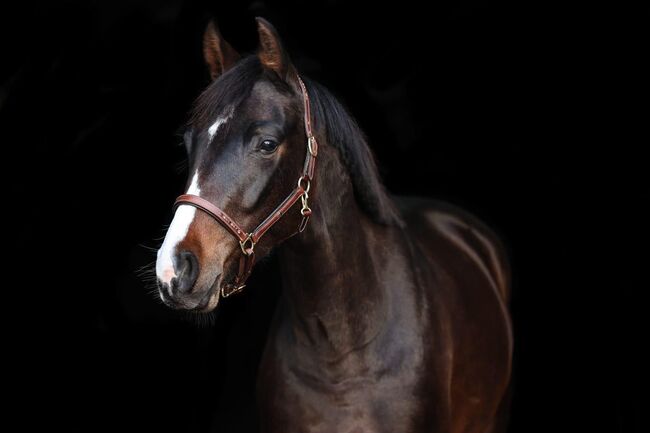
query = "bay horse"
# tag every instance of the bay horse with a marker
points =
(394, 313)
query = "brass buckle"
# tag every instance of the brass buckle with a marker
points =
(305, 210)
(312, 145)
(242, 244)
(232, 291)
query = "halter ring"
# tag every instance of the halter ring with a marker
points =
(306, 179)
(242, 244)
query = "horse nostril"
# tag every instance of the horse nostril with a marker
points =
(187, 270)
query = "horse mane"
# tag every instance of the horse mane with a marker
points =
(343, 132)
(340, 128)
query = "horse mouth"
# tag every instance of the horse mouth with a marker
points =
(206, 303)
(210, 302)
(211, 299)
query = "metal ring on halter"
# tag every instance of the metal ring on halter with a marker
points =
(300, 179)
(242, 244)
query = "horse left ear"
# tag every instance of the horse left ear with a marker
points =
(218, 53)
(271, 52)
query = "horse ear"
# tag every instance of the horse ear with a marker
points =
(218, 53)
(270, 52)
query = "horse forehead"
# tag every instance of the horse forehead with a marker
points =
(220, 120)
(265, 94)
(265, 101)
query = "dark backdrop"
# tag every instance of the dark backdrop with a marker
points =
(479, 103)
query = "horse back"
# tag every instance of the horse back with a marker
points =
(428, 220)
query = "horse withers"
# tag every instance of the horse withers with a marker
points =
(394, 315)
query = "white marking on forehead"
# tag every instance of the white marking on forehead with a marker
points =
(175, 234)
(194, 186)
(212, 130)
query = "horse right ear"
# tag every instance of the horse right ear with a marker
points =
(218, 53)
(271, 52)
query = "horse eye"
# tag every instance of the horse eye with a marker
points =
(268, 146)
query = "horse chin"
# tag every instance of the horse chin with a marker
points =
(213, 301)
(212, 297)
(206, 304)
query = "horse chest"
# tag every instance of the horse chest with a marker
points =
(301, 400)
(359, 408)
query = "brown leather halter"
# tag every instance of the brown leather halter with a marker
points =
(247, 241)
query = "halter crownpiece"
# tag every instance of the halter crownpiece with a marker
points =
(248, 240)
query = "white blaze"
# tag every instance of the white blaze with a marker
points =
(175, 234)
(212, 130)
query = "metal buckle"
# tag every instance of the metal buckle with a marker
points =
(235, 289)
(305, 210)
(242, 244)
(312, 145)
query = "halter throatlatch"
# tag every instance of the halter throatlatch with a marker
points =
(248, 240)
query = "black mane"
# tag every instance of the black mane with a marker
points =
(232, 88)
(344, 134)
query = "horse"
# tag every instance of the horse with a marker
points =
(394, 311)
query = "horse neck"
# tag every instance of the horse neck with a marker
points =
(334, 272)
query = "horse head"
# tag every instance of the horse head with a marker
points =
(246, 147)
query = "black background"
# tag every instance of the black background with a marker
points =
(497, 107)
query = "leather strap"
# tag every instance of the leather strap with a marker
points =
(247, 241)
(312, 144)
(279, 211)
(214, 212)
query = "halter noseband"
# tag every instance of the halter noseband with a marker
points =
(247, 241)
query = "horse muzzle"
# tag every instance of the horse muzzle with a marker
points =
(178, 286)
